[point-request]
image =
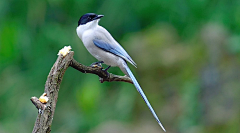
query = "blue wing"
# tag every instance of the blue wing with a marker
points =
(114, 49)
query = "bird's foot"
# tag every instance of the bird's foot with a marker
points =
(97, 64)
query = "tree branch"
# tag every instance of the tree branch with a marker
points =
(46, 109)
(103, 75)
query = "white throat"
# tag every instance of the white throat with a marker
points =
(88, 26)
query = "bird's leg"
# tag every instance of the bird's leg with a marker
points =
(97, 64)
(106, 68)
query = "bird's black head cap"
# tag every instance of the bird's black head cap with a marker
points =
(88, 18)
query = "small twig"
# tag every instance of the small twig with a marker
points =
(37, 103)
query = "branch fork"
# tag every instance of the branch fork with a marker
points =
(46, 104)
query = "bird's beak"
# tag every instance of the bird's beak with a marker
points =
(98, 17)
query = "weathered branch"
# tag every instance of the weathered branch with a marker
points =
(104, 75)
(45, 115)
(46, 110)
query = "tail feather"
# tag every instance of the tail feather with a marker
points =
(143, 95)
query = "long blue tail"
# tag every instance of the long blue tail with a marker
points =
(143, 95)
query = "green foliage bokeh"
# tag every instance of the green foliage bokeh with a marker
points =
(188, 56)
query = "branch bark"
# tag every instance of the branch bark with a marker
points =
(46, 110)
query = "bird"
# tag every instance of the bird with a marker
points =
(101, 45)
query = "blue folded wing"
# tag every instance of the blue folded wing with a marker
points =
(115, 49)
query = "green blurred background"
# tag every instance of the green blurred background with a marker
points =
(188, 56)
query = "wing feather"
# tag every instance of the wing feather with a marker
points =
(115, 49)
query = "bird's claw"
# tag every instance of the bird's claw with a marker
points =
(97, 64)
